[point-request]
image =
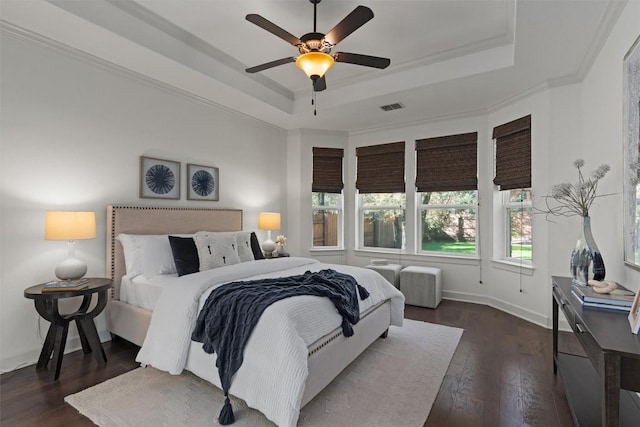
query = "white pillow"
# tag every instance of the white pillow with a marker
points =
(216, 249)
(132, 257)
(148, 254)
(243, 239)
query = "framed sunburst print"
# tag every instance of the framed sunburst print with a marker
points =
(159, 178)
(202, 182)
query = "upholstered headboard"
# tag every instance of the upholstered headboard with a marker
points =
(160, 220)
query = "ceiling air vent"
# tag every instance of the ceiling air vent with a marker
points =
(391, 107)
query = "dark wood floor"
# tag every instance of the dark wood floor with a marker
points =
(501, 375)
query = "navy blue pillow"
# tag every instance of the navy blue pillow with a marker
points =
(255, 247)
(185, 255)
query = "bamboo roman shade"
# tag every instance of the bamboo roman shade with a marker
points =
(380, 168)
(447, 163)
(327, 170)
(513, 154)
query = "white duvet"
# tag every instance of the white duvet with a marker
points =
(272, 376)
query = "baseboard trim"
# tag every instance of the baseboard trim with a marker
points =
(23, 360)
(522, 313)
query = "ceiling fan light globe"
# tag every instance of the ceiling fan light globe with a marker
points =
(315, 64)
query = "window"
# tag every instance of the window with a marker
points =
(327, 219)
(382, 220)
(518, 213)
(513, 178)
(326, 197)
(381, 198)
(447, 182)
(448, 222)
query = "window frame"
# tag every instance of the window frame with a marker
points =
(507, 206)
(360, 222)
(340, 209)
(421, 207)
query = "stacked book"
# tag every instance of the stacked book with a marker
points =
(65, 285)
(612, 301)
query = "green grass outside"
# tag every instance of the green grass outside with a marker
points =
(453, 247)
(521, 251)
(517, 251)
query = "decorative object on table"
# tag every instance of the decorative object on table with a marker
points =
(281, 243)
(159, 179)
(631, 171)
(269, 221)
(65, 285)
(607, 294)
(203, 182)
(634, 314)
(575, 199)
(70, 226)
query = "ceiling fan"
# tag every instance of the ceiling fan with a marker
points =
(315, 48)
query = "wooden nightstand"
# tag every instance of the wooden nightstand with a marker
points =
(47, 306)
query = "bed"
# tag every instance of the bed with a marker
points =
(315, 352)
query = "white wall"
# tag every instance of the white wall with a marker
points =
(602, 121)
(72, 136)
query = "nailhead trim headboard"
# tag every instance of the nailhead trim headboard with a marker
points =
(160, 220)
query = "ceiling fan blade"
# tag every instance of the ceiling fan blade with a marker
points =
(366, 60)
(271, 64)
(265, 24)
(356, 19)
(319, 84)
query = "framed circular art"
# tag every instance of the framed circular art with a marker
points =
(202, 182)
(159, 179)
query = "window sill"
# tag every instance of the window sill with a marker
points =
(403, 256)
(327, 251)
(513, 266)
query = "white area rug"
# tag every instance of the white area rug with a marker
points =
(393, 383)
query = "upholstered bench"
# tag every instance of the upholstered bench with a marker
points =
(421, 286)
(391, 272)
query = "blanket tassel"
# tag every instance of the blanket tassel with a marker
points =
(364, 294)
(347, 330)
(226, 416)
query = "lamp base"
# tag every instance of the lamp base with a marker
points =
(268, 246)
(70, 269)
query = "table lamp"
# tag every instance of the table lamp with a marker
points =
(268, 221)
(70, 226)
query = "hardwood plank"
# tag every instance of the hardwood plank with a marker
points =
(500, 375)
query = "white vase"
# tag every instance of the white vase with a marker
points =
(280, 250)
(586, 260)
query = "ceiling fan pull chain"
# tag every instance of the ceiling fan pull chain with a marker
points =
(314, 102)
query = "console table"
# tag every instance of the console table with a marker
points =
(600, 387)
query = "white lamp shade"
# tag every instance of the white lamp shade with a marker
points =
(70, 225)
(269, 221)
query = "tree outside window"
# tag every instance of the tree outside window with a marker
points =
(327, 219)
(448, 222)
(382, 220)
(519, 210)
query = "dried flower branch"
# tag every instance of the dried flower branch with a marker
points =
(281, 240)
(568, 199)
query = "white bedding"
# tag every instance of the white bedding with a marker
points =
(144, 292)
(267, 381)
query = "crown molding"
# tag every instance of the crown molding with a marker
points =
(24, 35)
